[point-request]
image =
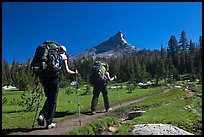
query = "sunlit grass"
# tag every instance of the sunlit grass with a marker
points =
(14, 116)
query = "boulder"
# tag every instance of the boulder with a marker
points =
(158, 129)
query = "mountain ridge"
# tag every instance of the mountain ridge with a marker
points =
(115, 46)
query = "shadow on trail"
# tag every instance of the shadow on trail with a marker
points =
(89, 112)
(86, 112)
(63, 114)
(15, 130)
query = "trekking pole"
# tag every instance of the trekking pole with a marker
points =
(77, 87)
(118, 93)
(39, 100)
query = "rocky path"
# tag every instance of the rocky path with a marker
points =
(85, 118)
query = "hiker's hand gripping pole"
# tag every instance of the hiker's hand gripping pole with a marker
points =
(76, 72)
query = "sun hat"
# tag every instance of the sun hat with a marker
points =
(63, 48)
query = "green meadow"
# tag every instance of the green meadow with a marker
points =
(160, 108)
(173, 108)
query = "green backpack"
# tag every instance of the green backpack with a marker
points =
(45, 59)
(97, 75)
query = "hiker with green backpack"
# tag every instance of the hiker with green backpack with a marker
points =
(99, 79)
(48, 60)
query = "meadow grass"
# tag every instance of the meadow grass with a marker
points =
(14, 117)
(168, 108)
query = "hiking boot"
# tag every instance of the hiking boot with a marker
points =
(93, 112)
(41, 120)
(108, 110)
(52, 125)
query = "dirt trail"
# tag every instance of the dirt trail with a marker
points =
(85, 118)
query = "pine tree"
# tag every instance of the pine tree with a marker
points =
(171, 71)
(183, 45)
(192, 55)
(7, 74)
(3, 76)
(173, 51)
(161, 64)
(14, 70)
(198, 59)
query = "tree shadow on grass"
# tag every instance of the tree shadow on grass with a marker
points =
(14, 111)
(19, 130)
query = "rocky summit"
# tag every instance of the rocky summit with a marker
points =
(115, 46)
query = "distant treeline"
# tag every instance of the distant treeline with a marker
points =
(182, 59)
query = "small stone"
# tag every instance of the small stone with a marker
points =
(111, 129)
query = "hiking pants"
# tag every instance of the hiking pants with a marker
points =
(96, 93)
(51, 87)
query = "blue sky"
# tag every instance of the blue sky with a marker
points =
(83, 25)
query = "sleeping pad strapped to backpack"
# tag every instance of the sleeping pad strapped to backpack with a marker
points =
(44, 61)
(98, 73)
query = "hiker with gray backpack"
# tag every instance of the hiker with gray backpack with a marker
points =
(99, 79)
(48, 60)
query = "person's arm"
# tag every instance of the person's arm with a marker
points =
(111, 79)
(66, 68)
